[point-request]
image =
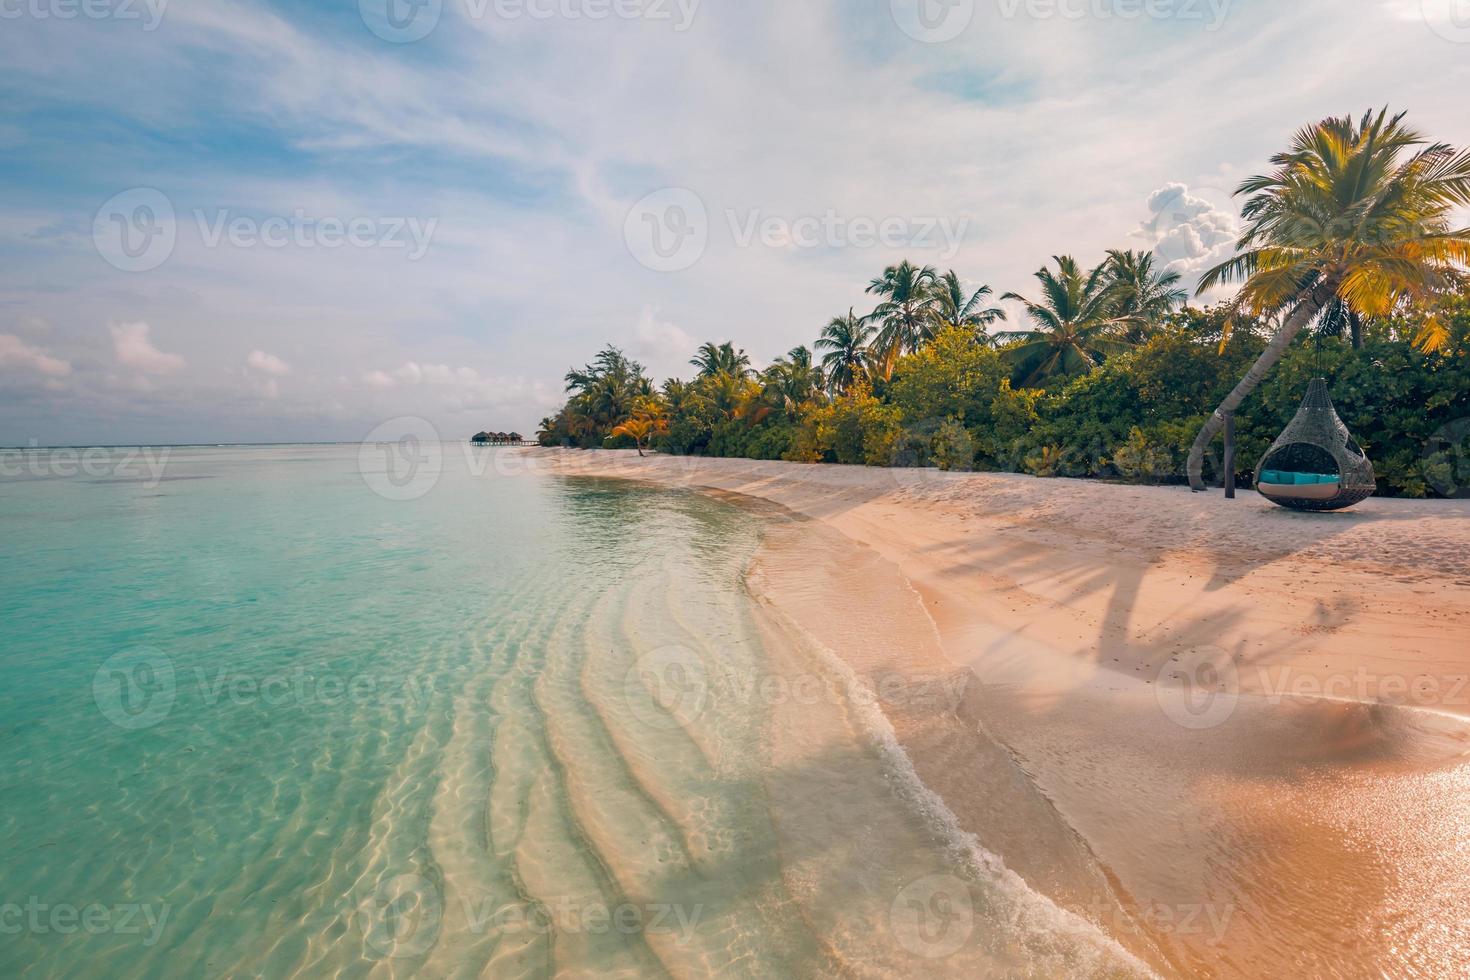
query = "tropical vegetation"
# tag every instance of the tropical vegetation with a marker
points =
(1350, 267)
(1355, 221)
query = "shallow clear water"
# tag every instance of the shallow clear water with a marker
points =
(260, 716)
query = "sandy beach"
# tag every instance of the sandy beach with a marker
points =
(1233, 737)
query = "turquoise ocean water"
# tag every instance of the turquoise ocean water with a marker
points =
(264, 712)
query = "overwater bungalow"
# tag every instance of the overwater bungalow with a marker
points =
(498, 439)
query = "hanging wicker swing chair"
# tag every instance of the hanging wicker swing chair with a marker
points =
(1316, 464)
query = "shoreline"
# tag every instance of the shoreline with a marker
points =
(1210, 832)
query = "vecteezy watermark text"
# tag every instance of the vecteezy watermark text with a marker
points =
(672, 685)
(938, 21)
(1211, 13)
(140, 464)
(138, 688)
(1201, 688)
(670, 229)
(832, 230)
(404, 915)
(298, 230)
(150, 12)
(138, 229)
(680, 13)
(41, 918)
(1204, 920)
(406, 21)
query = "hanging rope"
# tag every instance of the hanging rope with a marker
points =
(1317, 355)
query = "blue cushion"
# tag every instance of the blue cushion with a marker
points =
(1286, 479)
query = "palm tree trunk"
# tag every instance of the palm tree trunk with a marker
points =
(1311, 304)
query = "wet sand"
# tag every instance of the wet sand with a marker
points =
(1233, 737)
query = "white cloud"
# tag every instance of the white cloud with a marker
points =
(259, 360)
(15, 352)
(414, 373)
(1191, 230)
(132, 348)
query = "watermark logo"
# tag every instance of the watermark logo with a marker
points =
(668, 230)
(667, 688)
(135, 231)
(1446, 463)
(933, 21)
(1199, 689)
(1450, 19)
(135, 689)
(933, 917)
(401, 21)
(402, 917)
(401, 459)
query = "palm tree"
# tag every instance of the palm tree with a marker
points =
(680, 396)
(1344, 216)
(958, 309)
(845, 339)
(1075, 328)
(714, 359)
(1141, 294)
(1338, 319)
(791, 381)
(649, 419)
(906, 315)
(726, 393)
(603, 393)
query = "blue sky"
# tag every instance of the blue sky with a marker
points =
(497, 173)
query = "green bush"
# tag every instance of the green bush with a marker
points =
(954, 448)
(1047, 461)
(854, 429)
(952, 376)
(1144, 460)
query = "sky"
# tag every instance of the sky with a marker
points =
(273, 221)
